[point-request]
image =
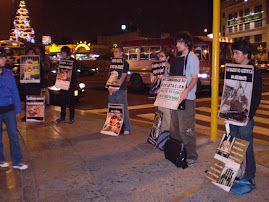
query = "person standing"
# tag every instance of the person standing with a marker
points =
(45, 66)
(67, 96)
(183, 122)
(119, 96)
(242, 55)
(10, 109)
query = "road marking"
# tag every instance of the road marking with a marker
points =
(265, 102)
(149, 116)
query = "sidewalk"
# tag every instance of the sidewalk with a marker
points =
(77, 163)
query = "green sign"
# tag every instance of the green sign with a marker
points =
(256, 16)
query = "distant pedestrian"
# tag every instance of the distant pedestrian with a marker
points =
(119, 96)
(183, 121)
(242, 55)
(67, 96)
(30, 88)
(45, 67)
(10, 108)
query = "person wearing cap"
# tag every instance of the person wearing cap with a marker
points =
(10, 109)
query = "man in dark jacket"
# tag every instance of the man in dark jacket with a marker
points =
(242, 55)
(10, 109)
(68, 95)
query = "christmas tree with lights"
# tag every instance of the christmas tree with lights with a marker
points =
(22, 30)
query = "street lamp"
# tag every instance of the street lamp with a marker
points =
(123, 27)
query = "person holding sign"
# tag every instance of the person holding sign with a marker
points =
(10, 109)
(119, 95)
(67, 96)
(242, 55)
(182, 126)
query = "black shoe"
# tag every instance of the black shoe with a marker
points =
(23, 119)
(71, 121)
(60, 120)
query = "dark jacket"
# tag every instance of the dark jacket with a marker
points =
(8, 90)
(74, 73)
(256, 91)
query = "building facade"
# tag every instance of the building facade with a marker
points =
(247, 19)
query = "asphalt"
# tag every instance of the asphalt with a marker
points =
(74, 162)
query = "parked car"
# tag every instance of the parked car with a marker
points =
(83, 69)
(262, 65)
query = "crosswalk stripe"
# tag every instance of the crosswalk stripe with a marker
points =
(264, 106)
(149, 116)
(265, 102)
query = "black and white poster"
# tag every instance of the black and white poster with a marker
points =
(115, 72)
(29, 69)
(114, 120)
(64, 74)
(35, 108)
(156, 127)
(237, 93)
(158, 70)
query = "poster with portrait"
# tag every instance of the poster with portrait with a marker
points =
(158, 70)
(156, 128)
(237, 93)
(170, 91)
(35, 108)
(115, 72)
(226, 162)
(29, 69)
(114, 120)
(64, 74)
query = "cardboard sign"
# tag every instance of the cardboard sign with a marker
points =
(227, 160)
(156, 128)
(29, 69)
(35, 108)
(237, 93)
(115, 72)
(114, 120)
(170, 91)
(64, 74)
(158, 70)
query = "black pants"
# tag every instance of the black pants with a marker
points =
(67, 98)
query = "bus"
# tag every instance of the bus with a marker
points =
(140, 54)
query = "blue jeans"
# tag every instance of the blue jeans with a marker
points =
(246, 133)
(120, 97)
(11, 122)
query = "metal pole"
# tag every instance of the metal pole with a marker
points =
(215, 70)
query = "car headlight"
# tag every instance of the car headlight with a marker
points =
(204, 76)
(82, 85)
(54, 71)
(93, 70)
(78, 70)
(128, 72)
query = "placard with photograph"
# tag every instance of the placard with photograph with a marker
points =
(64, 74)
(114, 120)
(158, 70)
(29, 69)
(170, 91)
(156, 127)
(115, 72)
(35, 108)
(237, 93)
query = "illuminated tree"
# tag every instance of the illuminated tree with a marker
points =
(22, 30)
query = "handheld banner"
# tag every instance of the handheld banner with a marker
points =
(29, 69)
(115, 73)
(64, 74)
(35, 108)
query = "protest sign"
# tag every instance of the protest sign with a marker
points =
(158, 70)
(227, 160)
(64, 74)
(29, 69)
(115, 73)
(156, 128)
(114, 120)
(237, 93)
(35, 108)
(170, 91)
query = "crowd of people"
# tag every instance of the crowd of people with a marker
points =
(180, 123)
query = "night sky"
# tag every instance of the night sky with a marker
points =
(85, 19)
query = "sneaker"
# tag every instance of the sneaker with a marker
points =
(4, 164)
(126, 132)
(21, 166)
(252, 182)
(191, 162)
(60, 120)
(71, 121)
